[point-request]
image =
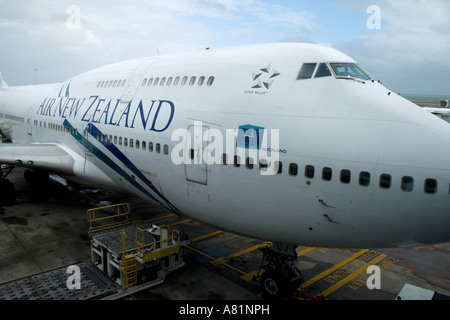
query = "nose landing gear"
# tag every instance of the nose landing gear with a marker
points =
(280, 276)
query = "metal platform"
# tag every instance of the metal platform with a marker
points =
(112, 238)
(52, 285)
(125, 258)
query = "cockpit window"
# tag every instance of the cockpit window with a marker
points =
(322, 71)
(307, 71)
(349, 70)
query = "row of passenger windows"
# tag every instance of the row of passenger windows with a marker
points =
(200, 81)
(112, 84)
(326, 174)
(177, 80)
(345, 176)
(128, 142)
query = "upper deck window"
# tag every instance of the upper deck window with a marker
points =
(349, 70)
(307, 71)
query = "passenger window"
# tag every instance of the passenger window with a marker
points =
(237, 161)
(249, 163)
(385, 181)
(123, 83)
(224, 159)
(125, 142)
(307, 71)
(163, 81)
(158, 148)
(192, 81)
(430, 186)
(263, 165)
(407, 184)
(364, 179)
(150, 146)
(346, 176)
(120, 141)
(201, 80)
(278, 167)
(177, 81)
(210, 81)
(131, 143)
(156, 82)
(144, 145)
(293, 169)
(322, 71)
(327, 174)
(183, 82)
(166, 149)
(309, 172)
(169, 81)
(138, 145)
(150, 82)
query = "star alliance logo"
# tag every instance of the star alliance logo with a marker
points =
(262, 80)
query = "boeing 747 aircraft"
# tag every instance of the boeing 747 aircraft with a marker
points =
(291, 143)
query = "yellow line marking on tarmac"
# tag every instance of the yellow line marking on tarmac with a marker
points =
(212, 258)
(242, 252)
(207, 236)
(334, 268)
(305, 251)
(352, 275)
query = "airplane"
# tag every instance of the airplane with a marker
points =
(332, 158)
(443, 111)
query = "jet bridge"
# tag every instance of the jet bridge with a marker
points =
(126, 256)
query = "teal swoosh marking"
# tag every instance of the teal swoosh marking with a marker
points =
(103, 157)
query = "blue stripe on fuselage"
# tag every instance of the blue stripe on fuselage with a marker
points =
(122, 158)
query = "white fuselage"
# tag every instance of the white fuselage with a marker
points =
(360, 167)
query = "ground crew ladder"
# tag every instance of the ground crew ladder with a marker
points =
(129, 271)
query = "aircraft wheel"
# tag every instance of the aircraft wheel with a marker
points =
(273, 284)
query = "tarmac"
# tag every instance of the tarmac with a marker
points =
(47, 229)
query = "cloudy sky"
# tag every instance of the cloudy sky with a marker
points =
(407, 48)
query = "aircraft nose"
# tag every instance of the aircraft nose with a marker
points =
(415, 163)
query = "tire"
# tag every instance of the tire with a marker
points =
(273, 284)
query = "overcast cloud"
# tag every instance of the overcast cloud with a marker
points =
(409, 53)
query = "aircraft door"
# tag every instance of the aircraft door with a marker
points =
(196, 166)
(135, 80)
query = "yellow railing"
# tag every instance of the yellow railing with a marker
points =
(122, 213)
(164, 246)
